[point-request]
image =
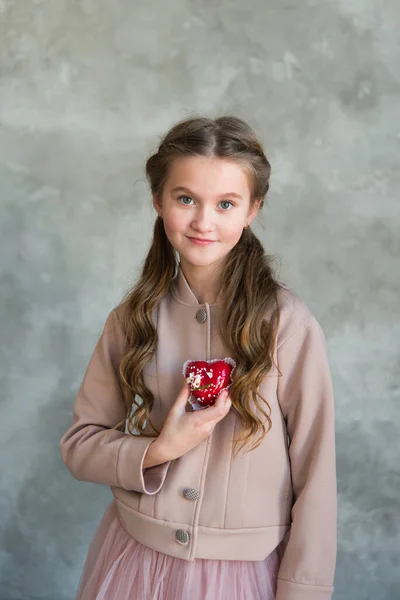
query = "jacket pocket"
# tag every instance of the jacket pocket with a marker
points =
(127, 497)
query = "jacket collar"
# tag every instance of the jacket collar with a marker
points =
(183, 292)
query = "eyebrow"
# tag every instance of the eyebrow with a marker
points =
(187, 191)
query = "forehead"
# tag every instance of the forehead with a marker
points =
(208, 175)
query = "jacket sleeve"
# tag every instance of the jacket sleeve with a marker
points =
(90, 450)
(305, 394)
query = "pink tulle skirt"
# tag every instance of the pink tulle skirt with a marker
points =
(117, 567)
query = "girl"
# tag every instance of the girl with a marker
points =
(236, 501)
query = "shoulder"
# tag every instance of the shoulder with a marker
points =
(294, 314)
(119, 312)
(114, 331)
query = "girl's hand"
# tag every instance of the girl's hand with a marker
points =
(183, 430)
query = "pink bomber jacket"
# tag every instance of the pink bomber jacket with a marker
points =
(206, 504)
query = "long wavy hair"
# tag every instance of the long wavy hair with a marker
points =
(250, 288)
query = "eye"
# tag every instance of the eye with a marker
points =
(227, 202)
(180, 197)
(222, 201)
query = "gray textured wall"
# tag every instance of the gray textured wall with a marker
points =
(86, 90)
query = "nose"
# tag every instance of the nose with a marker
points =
(202, 221)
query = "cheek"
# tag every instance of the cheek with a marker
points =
(233, 232)
(173, 224)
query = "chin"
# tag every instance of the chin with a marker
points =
(201, 261)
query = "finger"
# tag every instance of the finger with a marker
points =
(219, 408)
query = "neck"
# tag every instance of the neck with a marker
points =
(203, 281)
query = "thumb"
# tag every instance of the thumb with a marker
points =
(183, 396)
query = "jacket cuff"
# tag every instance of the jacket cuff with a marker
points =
(130, 472)
(290, 590)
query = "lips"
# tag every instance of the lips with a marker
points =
(206, 379)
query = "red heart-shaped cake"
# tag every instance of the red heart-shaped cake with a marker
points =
(206, 379)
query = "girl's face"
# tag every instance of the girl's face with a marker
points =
(205, 197)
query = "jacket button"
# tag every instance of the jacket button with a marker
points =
(201, 315)
(182, 536)
(191, 494)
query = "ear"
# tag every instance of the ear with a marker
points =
(157, 204)
(253, 210)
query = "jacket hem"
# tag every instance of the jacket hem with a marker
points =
(252, 544)
(291, 590)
